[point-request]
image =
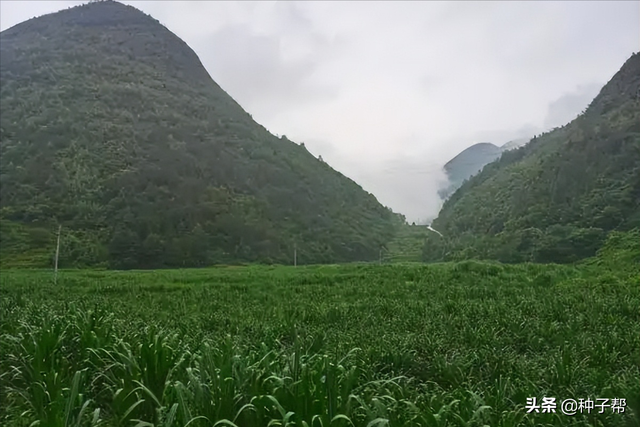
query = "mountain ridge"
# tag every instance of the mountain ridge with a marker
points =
(466, 164)
(112, 128)
(556, 198)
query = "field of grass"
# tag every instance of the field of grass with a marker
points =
(407, 244)
(460, 344)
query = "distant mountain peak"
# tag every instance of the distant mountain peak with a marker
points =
(466, 164)
(481, 148)
(119, 29)
(514, 143)
(556, 198)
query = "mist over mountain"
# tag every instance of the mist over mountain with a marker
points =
(466, 164)
(112, 128)
(555, 198)
(471, 161)
(515, 143)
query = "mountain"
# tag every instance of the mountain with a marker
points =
(515, 143)
(112, 128)
(466, 164)
(471, 161)
(556, 198)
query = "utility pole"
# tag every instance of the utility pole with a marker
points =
(295, 255)
(380, 256)
(55, 268)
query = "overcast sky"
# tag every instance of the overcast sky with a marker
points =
(387, 92)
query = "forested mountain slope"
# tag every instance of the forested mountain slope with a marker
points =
(112, 127)
(556, 198)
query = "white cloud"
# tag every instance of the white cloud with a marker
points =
(566, 108)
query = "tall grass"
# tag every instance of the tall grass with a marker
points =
(393, 345)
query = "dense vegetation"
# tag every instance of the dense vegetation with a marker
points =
(461, 344)
(112, 128)
(556, 198)
(407, 244)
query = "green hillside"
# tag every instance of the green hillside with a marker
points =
(112, 128)
(555, 199)
(407, 244)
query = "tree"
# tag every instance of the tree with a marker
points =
(124, 249)
(152, 252)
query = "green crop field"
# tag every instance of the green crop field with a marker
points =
(461, 344)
